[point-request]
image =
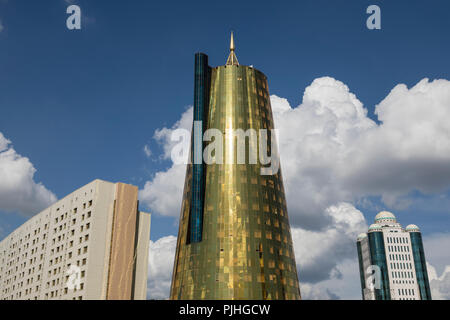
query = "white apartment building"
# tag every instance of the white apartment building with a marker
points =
(92, 244)
(398, 254)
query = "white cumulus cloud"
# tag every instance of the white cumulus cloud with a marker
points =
(438, 267)
(160, 264)
(163, 136)
(439, 285)
(332, 151)
(147, 151)
(163, 193)
(318, 253)
(18, 190)
(344, 283)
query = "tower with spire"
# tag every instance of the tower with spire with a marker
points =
(234, 239)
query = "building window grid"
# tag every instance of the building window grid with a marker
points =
(23, 251)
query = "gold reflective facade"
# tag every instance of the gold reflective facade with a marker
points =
(246, 249)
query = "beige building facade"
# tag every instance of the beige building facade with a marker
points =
(90, 245)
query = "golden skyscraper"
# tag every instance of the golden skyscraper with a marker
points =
(234, 239)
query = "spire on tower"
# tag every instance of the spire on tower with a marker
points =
(232, 59)
(231, 42)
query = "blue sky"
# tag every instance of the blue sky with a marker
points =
(82, 104)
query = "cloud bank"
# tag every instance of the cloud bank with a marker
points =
(334, 156)
(18, 190)
(331, 151)
(163, 193)
(319, 252)
(325, 260)
(439, 272)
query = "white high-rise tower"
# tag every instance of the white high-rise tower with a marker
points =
(392, 262)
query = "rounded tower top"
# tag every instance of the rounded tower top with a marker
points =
(374, 227)
(361, 236)
(385, 216)
(412, 228)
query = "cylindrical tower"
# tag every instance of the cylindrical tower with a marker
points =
(378, 258)
(362, 239)
(420, 262)
(245, 248)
